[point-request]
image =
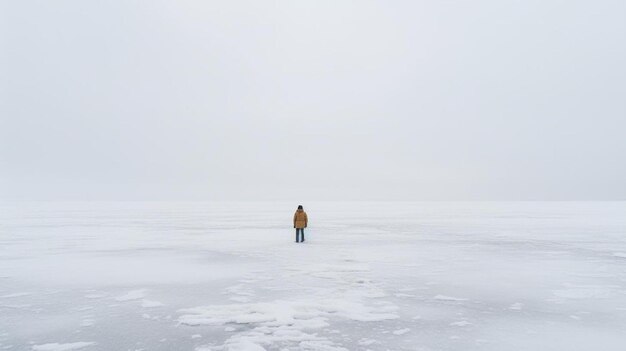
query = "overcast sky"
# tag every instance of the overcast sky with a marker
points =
(313, 100)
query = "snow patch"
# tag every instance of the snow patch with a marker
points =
(150, 303)
(401, 331)
(242, 299)
(87, 322)
(95, 296)
(7, 296)
(583, 293)
(404, 295)
(284, 321)
(62, 347)
(460, 324)
(448, 298)
(132, 295)
(366, 342)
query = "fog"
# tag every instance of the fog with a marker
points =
(317, 100)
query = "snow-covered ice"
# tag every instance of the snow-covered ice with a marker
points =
(370, 276)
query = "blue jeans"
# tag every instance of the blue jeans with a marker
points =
(299, 231)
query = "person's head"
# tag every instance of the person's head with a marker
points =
(300, 207)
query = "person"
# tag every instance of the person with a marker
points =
(300, 221)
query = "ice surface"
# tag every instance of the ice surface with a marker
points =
(371, 276)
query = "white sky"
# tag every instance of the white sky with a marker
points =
(313, 100)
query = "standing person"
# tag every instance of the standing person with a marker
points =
(300, 221)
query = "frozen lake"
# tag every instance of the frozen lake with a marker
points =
(371, 276)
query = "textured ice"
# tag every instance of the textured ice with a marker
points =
(520, 276)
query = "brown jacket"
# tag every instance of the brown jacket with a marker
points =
(300, 219)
